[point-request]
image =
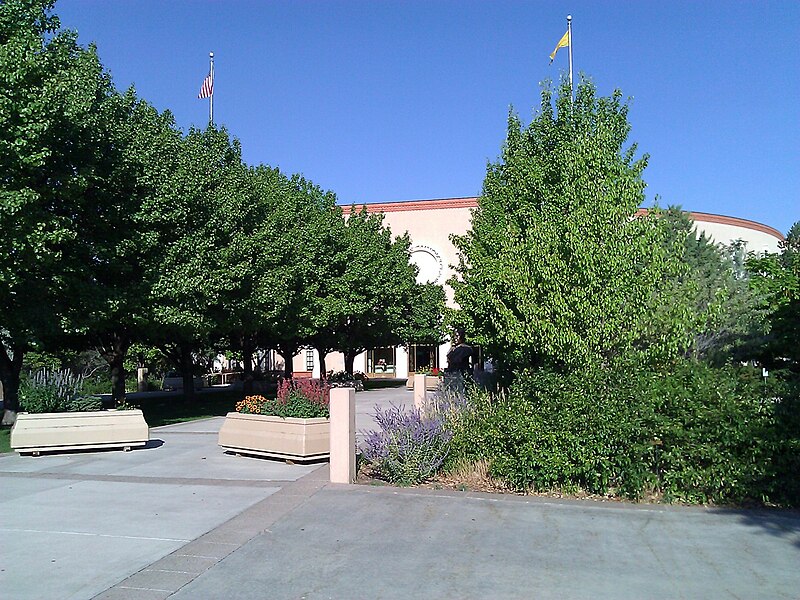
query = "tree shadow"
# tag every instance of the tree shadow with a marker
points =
(782, 523)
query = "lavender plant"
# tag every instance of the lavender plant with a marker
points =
(447, 404)
(410, 445)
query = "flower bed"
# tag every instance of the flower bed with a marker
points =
(295, 425)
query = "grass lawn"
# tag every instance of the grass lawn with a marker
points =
(5, 439)
(174, 408)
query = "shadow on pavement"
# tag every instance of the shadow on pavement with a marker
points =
(150, 445)
(778, 522)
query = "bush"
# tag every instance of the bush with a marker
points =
(694, 434)
(344, 379)
(555, 432)
(726, 436)
(49, 390)
(100, 383)
(409, 446)
(299, 398)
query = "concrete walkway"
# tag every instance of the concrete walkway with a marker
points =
(182, 519)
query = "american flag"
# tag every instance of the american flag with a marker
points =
(207, 90)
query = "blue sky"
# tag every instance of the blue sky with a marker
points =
(390, 100)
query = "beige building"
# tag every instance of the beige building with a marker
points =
(430, 223)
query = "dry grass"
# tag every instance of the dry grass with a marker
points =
(473, 476)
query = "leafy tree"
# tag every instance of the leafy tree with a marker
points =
(317, 223)
(120, 250)
(425, 321)
(268, 264)
(377, 287)
(556, 270)
(326, 294)
(50, 92)
(777, 277)
(191, 277)
(726, 320)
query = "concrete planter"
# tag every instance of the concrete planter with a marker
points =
(45, 432)
(274, 437)
(431, 383)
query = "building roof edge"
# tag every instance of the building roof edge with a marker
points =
(472, 202)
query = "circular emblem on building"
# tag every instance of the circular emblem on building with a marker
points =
(429, 263)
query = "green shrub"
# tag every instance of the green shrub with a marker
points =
(85, 403)
(559, 432)
(298, 398)
(693, 434)
(49, 390)
(37, 398)
(100, 383)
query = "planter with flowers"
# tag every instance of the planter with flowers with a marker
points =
(295, 425)
(344, 379)
(58, 416)
(434, 374)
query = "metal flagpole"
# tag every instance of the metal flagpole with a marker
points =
(569, 32)
(211, 96)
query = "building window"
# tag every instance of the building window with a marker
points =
(309, 360)
(422, 357)
(381, 361)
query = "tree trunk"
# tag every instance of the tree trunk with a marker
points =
(141, 379)
(115, 353)
(288, 358)
(349, 359)
(117, 364)
(10, 367)
(323, 370)
(248, 347)
(187, 373)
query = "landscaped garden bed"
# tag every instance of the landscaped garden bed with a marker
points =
(46, 432)
(59, 416)
(293, 426)
(276, 437)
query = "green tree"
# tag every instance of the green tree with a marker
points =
(120, 250)
(267, 258)
(424, 323)
(326, 296)
(377, 287)
(344, 292)
(317, 221)
(191, 277)
(556, 270)
(777, 277)
(727, 319)
(50, 91)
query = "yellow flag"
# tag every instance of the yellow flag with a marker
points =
(562, 43)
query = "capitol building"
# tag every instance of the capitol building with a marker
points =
(430, 223)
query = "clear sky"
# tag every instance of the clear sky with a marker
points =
(402, 100)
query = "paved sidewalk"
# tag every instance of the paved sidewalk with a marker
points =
(76, 524)
(182, 519)
(349, 542)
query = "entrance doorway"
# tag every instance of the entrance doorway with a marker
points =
(382, 362)
(422, 357)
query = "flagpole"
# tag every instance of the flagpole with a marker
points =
(569, 31)
(211, 96)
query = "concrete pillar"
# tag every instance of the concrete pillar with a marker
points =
(141, 379)
(420, 390)
(343, 435)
